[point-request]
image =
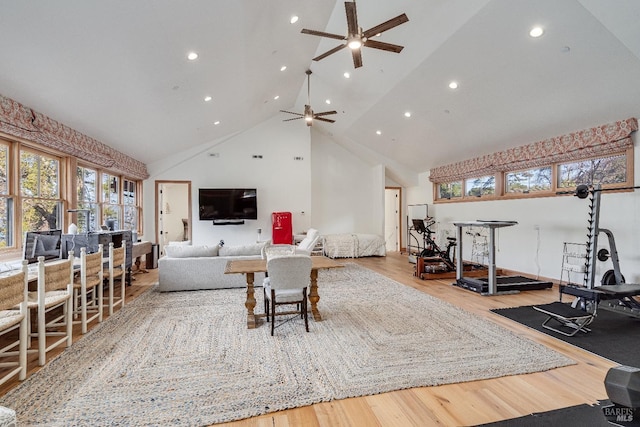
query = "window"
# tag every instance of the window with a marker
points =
(450, 190)
(131, 214)
(40, 191)
(532, 180)
(87, 194)
(111, 208)
(6, 201)
(479, 187)
(603, 170)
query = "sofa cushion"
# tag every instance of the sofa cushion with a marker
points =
(179, 243)
(184, 251)
(254, 249)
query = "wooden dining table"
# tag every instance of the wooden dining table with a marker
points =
(249, 267)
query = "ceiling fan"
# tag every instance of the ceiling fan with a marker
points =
(356, 38)
(309, 116)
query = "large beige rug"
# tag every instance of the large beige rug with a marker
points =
(187, 359)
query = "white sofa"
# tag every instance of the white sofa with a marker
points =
(189, 268)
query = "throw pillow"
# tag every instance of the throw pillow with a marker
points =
(179, 243)
(183, 251)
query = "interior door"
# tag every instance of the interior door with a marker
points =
(392, 218)
(173, 212)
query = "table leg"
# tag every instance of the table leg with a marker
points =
(250, 303)
(314, 297)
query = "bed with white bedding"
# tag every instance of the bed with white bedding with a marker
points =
(353, 245)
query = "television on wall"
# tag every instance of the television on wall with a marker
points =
(219, 204)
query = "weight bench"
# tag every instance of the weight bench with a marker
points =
(571, 318)
(611, 297)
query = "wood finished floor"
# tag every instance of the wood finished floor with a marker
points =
(461, 404)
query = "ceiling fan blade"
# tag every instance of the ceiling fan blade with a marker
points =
(352, 18)
(295, 118)
(290, 112)
(324, 120)
(357, 58)
(393, 22)
(325, 113)
(323, 34)
(384, 46)
(332, 51)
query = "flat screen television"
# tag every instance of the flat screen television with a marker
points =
(42, 243)
(227, 203)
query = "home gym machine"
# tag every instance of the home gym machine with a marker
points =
(612, 293)
(432, 259)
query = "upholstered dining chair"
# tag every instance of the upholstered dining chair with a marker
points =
(13, 292)
(287, 282)
(115, 270)
(55, 290)
(87, 288)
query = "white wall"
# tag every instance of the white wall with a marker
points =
(331, 189)
(282, 183)
(347, 193)
(535, 244)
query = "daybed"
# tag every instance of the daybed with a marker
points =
(353, 245)
(188, 268)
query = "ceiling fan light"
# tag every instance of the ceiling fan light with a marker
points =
(308, 119)
(354, 43)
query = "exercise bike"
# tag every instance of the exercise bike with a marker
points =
(431, 251)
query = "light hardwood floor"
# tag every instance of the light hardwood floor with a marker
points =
(461, 404)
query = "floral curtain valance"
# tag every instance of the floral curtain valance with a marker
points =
(22, 122)
(592, 142)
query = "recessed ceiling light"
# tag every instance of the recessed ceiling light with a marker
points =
(407, 114)
(191, 56)
(217, 122)
(293, 19)
(378, 132)
(276, 97)
(207, 98)
(328, 101)
(453, 85)
(346, 75)
(284, 67)
(536, 32)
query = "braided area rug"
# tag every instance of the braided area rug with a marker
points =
(187, 358)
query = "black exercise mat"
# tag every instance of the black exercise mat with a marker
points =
(614, 336)
(573, 416)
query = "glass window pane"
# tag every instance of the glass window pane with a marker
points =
(605, 170)
(130, 218)
(4, 167)
(39, 175)
(86, 184)
(450, 190)
(482, 186)
(39, 215)
(538, 179)
(110, 188)
(6, 212)
(129, 192)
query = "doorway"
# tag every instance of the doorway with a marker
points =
(173, 212)
(392, 215)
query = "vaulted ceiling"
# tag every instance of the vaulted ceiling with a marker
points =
(118, 71)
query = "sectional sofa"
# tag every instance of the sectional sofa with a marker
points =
(190, 268)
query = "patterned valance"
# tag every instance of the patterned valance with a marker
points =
(592, 142)
(22, 122)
